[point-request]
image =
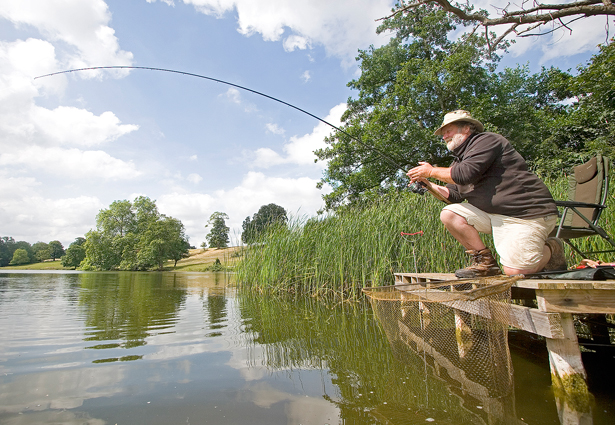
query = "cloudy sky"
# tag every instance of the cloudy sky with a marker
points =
(72, 144)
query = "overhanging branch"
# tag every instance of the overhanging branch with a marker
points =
(533, 17)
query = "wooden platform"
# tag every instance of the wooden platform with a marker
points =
(552, 317)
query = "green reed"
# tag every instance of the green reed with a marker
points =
(338, 254)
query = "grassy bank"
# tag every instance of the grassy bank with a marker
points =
(200, 260)
(46, 265)
(341, 253)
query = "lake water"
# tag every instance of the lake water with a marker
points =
(183, 348)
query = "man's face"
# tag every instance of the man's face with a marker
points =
(454, 135)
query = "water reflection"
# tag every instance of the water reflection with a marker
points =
(127, 307)
(374, 383)
(166, 348)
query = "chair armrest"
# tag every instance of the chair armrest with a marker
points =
(574, 204)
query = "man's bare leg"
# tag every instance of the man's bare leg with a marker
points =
(458, 226)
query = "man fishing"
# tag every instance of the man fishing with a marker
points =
(503, 198)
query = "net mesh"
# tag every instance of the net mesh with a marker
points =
(454, 326)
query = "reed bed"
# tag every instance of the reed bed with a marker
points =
(338, 254)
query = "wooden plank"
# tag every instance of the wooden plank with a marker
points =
(576, 301)
(520, 317)
(525, 318)
(522, 283)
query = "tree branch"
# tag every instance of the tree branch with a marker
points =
(534, 17)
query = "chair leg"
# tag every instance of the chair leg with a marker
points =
(574, 248)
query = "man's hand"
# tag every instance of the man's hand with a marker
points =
(425, 170)
(422, 172)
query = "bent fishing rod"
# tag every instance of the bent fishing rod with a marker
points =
(190, 74)
(382, 154)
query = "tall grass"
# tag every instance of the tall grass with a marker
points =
(338, 254)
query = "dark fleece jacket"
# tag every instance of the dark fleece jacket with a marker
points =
(491, 175)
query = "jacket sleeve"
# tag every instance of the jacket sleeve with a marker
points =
(477, 159)
(453, 194)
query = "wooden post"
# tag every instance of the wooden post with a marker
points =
(567, 371)
(463, 333)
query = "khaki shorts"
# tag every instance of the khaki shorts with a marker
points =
(519, 242)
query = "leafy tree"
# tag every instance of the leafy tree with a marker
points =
(589, 126)
(75, 253)
(146, 213)
(20, 256)
(134, 236)
(164, 239)
(178, 245)
(247, 233)
(7, 248)
(404, 90)
(56, 250)
(101, 252)
(218, 235)
(204, 245)
(264, 217)
(119, 219)
(26, 247)
(407, 86)
(41, 251)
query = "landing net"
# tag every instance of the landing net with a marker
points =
(455, 326)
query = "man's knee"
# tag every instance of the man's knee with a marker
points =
(448, 217)
(452, 220)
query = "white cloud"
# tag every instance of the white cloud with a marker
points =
(294, 42)
(274, 128)
(40, 139)
(341, 26)
(71, 163)
(306, 76)
(234, 95)
(300, 149)
(73, 126)
(169, 2)
(194, 178)
(81, 24)
(297, 195)
(27, 215)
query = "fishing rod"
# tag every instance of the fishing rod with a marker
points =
(417, 188)
(378, 151)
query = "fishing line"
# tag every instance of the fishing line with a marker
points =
(372, 148)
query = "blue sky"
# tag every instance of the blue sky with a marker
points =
(72, 144)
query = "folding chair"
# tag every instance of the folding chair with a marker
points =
(588, 189)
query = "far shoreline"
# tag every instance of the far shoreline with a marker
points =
(200, 260)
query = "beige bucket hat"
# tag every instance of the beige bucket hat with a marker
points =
(459, 115)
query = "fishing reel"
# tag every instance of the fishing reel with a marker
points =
(417, 187)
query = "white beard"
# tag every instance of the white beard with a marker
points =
(456, 141)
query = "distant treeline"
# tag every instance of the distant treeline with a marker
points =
(16, 253)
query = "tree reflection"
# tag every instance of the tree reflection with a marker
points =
(128, 307)
(373, 386)
(215, 308)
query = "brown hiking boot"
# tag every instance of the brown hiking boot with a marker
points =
(483, 264)
(558, 259)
